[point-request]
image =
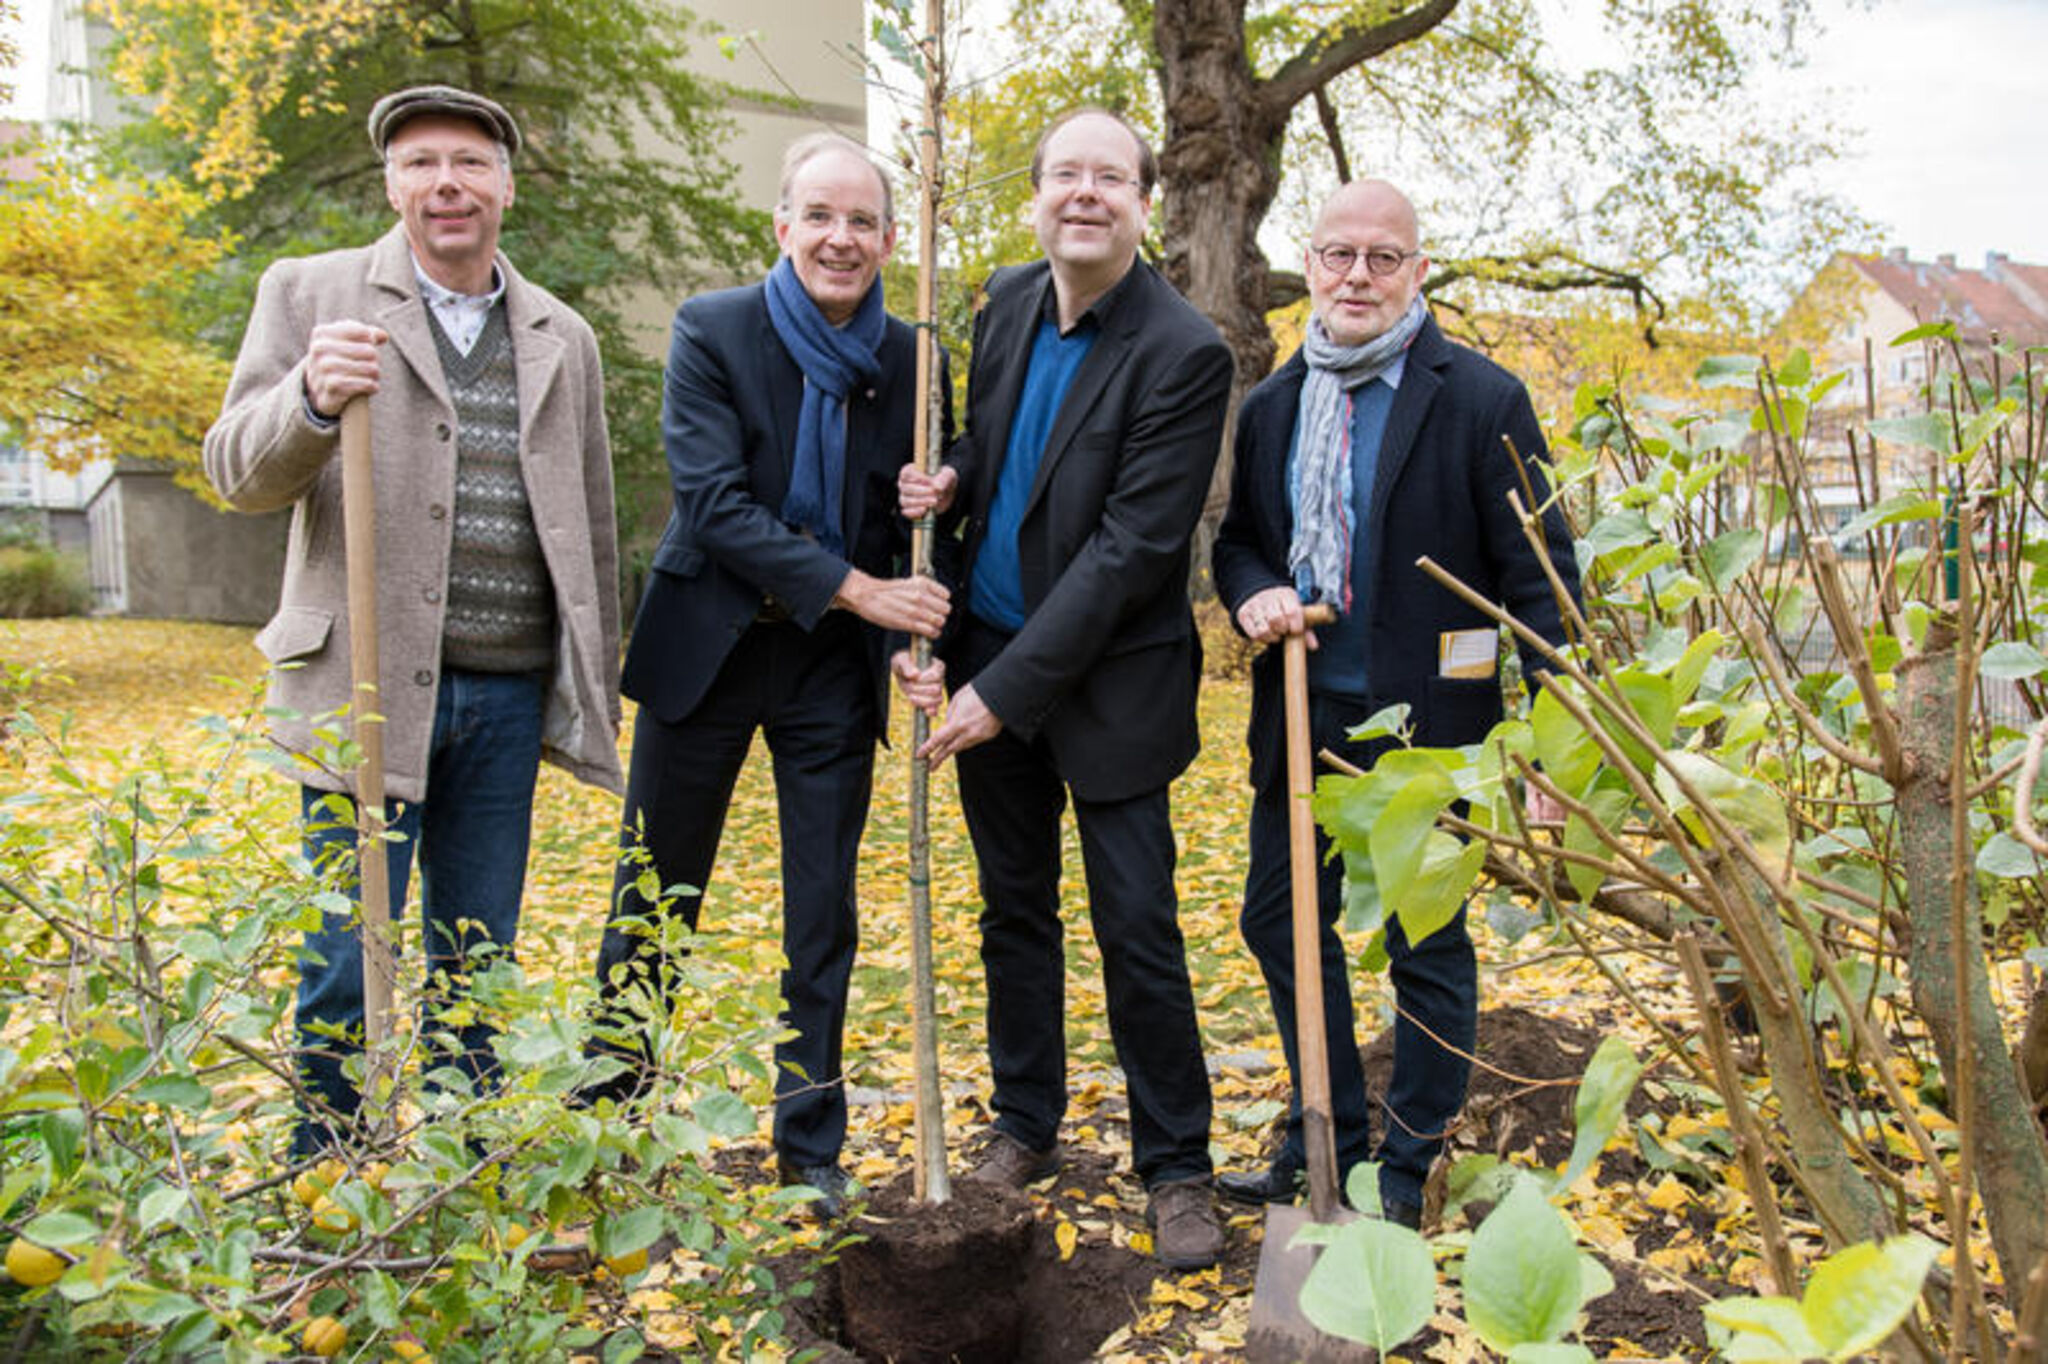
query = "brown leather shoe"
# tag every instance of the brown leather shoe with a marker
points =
(1012, 1164)
(1185, 1231)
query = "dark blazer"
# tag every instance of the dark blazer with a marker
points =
(1108, 662)
(1442, 490)
(728, 424)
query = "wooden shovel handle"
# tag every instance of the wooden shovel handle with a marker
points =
(1311, 1044)
(359, 531)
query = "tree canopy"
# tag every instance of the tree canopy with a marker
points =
(1554, 155)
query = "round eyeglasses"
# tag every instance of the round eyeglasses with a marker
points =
(1379, 260)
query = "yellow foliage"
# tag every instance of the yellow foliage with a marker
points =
(627, 1265)
(324, 1336)
(97, 360)
(256, 51)
(1167, 1292)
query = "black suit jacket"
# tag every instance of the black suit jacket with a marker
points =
(728, 424)
(1441, 490)
(1108, 662)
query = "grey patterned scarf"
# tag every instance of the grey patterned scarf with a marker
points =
(1320, 557)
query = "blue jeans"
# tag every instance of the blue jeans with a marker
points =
(471, 833)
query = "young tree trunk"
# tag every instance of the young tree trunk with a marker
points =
(2010, 1159)
(1848, 1203)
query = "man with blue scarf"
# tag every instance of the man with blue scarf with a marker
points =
(788, 409)
(1379, 442)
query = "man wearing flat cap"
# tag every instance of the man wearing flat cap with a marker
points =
(497, 591)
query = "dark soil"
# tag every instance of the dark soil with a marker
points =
(929, 1283)
(1049, 1311)
(1521, 1102)
(1523, 1088)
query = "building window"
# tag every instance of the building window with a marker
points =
(17, 477)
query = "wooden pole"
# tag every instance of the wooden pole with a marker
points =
(931, 1184)
(1318, 1127)
(359, 522)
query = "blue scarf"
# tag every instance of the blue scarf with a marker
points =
(832, 359)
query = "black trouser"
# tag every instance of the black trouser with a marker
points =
(1012, 794)
(1436, 987)
(810, 694)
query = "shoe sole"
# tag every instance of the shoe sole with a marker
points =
(1256, 1200)
(1191, 1263)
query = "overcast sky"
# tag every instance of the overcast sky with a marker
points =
(1947, 95)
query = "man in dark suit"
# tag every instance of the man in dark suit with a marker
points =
(1377, 443)
(1095, 416)
(788, 410)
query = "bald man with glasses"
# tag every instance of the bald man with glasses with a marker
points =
(1379, 442)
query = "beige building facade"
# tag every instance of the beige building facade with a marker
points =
(1854, 312)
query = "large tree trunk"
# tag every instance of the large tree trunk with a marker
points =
(1220, 164)
(2010, 1160)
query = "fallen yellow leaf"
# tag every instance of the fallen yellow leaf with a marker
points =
(1668, 1196)
(1166, 1292)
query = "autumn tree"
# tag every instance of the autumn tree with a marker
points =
(10, 53)
(94, 277)
(1626, 167)
(623, 184)
(1611, 177)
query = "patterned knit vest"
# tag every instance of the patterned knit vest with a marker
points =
(501, 602)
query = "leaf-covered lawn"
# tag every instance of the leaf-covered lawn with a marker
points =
(1672, 1207)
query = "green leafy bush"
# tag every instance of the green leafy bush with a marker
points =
(154, 905)
(39, 580)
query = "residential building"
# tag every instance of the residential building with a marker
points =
(1854, 311)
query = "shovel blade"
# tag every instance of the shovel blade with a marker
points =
(1278, 1332)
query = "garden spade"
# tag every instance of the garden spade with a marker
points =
(359, 531)
(1278, 1330)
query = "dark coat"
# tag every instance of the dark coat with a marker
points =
(1442, 491)
(1108, 662)
(728, 425)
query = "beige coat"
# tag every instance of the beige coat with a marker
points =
(265, 453)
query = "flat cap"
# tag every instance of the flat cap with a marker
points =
(395, 109)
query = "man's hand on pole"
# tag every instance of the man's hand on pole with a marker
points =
(1268, 616)
(924, 688)
(915, 605)
(919, 493)
(341, 363)
(968, 722)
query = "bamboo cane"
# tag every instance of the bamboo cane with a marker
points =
(931, 1183)
(359, 521)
